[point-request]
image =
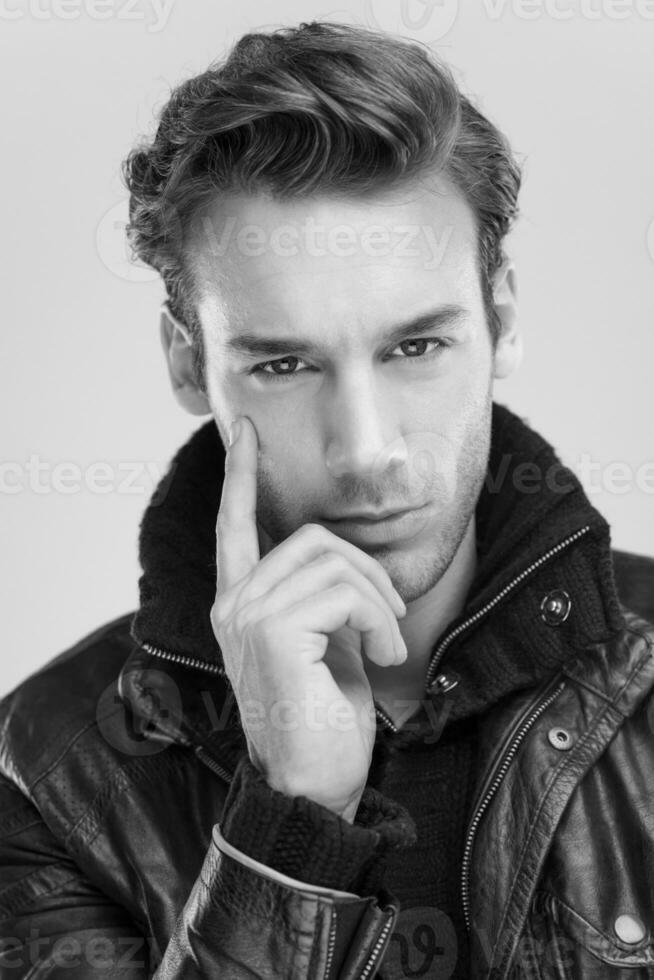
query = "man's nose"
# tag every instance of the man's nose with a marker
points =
(363, 432)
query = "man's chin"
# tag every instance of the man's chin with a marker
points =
(415, 572)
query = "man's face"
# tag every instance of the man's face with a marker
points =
(351, 419)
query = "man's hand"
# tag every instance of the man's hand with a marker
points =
(292, 627)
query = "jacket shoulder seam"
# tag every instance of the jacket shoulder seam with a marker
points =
(635, 670)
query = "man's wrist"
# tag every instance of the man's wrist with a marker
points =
(305, 840)
(345, 808)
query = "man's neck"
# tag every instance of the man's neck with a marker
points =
(426, 619)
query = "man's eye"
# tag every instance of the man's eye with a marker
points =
(421, 345)
(286, 365)
(285, 368)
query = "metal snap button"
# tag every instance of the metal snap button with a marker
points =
(629, 928)
(560, 738)
(555, 607)
(444, 682)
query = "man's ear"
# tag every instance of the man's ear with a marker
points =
(508, 348)
(178, 348)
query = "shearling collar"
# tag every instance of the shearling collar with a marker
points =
(536, 532)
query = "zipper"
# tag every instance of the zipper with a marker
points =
(198, 664)
(223, 773)
(431, 681)
(331, 944)
(378, 947)
(500, 772)
(213, 668)
(213, 764)
(466, 624)
(179, 658)
(381, 714)
(209, 761)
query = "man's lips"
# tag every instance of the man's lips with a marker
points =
(387, 526)
(370, 515)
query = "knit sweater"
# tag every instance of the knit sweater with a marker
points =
(410, 827)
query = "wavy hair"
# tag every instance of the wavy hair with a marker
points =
(306, 110)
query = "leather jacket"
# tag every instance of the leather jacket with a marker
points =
(116, 761)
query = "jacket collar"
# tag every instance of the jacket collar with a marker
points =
(529, 507)
(538, 535)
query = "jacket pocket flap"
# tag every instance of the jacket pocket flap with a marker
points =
(606, 945)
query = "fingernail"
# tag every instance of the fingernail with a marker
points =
(400, 601)
(234, 431)
(402, 652)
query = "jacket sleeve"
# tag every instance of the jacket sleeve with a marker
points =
(289, 889)
(53, 922)
(246, 916)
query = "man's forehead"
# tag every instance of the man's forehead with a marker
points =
(331, 260)
(259, 233)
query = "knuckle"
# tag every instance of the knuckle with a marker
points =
(346, 591)
(335, 560)
(217, 617)
(219, 610)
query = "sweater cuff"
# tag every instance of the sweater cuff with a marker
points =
(304, 840)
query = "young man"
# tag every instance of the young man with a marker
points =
(383, 709)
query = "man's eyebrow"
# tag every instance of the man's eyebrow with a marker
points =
(276, 346)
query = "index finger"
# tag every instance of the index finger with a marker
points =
(237, 542)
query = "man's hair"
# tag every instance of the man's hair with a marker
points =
(319, 108)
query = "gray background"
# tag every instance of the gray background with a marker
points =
(83, 376)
